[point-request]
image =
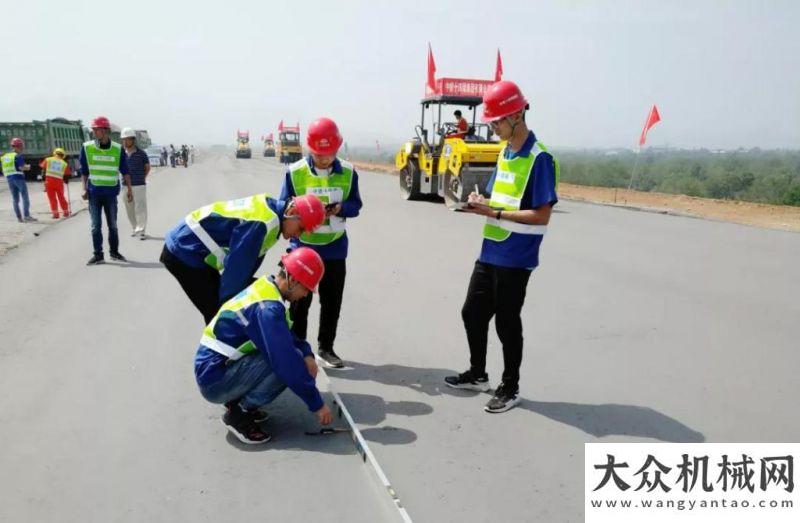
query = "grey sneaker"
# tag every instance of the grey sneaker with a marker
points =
(30, 219)
(96, 259)
(117, 256)
(505, 398)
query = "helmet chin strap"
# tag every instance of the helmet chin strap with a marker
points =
(514, 125)
(292, 284)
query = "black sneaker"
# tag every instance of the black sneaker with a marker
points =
(96, 259)
(468, 381)
(242, 425)
(117, 256)
(331, 359)
(505, 398)
(258, 415)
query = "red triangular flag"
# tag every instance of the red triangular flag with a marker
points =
(652, 118)
(280, 126)
(430, 85)
(498, 70)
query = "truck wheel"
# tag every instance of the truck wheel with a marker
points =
(410, 181)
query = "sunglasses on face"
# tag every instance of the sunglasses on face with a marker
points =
(496, 123)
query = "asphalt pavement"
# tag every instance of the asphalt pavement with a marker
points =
(638, 327)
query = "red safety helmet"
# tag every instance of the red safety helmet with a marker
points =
(101, 122)
(305, 266)
(17, 142)
(311, 211)
(323, 137)
(502, 99)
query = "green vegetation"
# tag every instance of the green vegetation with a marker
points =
(752, 175)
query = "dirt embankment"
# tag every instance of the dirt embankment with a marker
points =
(781, 217)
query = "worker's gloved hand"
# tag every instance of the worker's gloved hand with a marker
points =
(311, 365)
(324, 416)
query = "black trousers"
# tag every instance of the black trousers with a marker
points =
(331, 289)
(200, 285)
(499, 292)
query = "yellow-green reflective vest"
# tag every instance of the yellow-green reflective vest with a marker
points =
(263, 290)
(55, 167)
(330, 189)
(103, 163)
(9, 161)
(252, 208)
(509, 186)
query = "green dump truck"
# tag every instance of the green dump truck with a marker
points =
(41, 137)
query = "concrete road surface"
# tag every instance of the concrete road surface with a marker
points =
(639, 327)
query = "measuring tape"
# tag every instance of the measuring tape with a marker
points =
(363, 449)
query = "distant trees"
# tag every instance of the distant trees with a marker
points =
(755, 175)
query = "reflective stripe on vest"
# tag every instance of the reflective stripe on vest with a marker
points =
(55, 167)
(103, 163)
(330, 189)
(9, 163)
(510, 181)
(263, 290)
(252, 208)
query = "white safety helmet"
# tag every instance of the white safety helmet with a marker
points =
(128, 133)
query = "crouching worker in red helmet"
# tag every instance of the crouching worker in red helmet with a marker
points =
(215, 251)
(336, 183)
(248, 354)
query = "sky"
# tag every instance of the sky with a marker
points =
(724, 74)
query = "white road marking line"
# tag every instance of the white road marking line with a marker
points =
(363, 449)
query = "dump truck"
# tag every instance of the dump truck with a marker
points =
(41, 137)
(289, 148)
(269, 146)
(440, 160)
(243, 144)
